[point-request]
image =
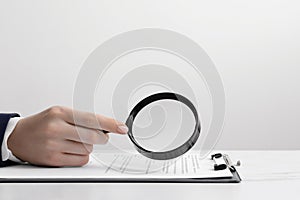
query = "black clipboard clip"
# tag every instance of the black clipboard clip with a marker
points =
(222, 161)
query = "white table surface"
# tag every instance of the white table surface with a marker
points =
(265, 174)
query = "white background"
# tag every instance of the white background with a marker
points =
(254, 44)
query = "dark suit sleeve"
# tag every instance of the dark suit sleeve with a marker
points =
(4, 118)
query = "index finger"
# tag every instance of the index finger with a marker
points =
(94, 121)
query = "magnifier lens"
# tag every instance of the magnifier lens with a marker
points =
(168, 154)
(163, 125)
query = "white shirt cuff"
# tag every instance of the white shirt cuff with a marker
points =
(6, 152)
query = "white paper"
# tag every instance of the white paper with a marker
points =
(127, 166)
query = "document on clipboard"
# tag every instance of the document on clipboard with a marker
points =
(118, 168)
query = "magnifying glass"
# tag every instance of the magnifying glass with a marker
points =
(169, 154)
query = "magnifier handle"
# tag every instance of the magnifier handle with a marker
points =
(104, 131)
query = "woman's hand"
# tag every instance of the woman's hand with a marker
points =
(54, 138)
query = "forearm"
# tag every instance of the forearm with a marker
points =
(4, 152)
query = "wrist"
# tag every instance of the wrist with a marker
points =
(7, 142)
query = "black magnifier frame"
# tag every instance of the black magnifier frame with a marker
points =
(170, 154)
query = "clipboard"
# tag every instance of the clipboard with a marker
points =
(235, 178)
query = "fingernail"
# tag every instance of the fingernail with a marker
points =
(122, 128)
